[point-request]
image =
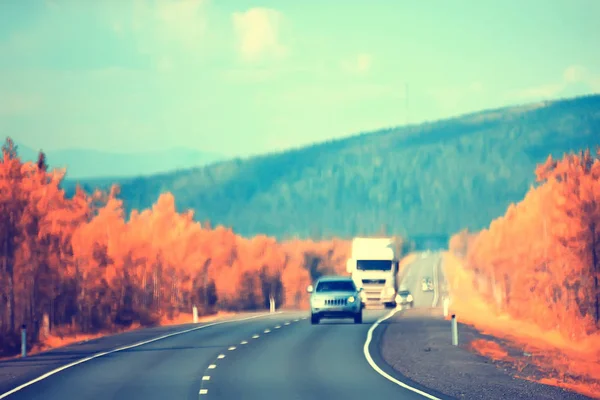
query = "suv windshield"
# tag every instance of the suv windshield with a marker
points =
(374, 265)
(404, 293)
(336, 286)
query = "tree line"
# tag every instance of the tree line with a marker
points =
(77, 261)
(541, 260)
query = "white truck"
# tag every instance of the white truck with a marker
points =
(374, 266)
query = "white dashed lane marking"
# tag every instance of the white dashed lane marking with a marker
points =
(231, 348)
(130, 346)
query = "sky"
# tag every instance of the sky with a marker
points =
(246, 77)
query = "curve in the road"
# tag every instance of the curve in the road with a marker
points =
(104, 353)
(381, 372)
(306, 368)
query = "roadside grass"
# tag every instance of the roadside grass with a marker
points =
(539, 355)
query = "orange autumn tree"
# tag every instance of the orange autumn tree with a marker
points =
(80, 264)
(540, 261)
(577, 179)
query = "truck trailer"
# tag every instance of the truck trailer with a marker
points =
(374, 266)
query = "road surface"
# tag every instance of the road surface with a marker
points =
(427, 265)
(279, 356)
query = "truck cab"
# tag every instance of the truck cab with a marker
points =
(373, 267)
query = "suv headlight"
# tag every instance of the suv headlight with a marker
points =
(409, 298)
(351, 299)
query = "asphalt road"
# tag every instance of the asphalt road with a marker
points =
(280, 356)
(427, 265)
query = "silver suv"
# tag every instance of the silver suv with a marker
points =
(335, 297)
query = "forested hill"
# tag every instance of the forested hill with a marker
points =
(431, 179)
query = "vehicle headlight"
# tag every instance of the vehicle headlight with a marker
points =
(318, 302)
(409, 298)
(351, 299)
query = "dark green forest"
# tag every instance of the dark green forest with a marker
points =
(423, 181)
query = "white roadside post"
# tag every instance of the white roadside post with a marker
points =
(195, 314)
(24, 341)
(272, 304)
(454, 331)
(446, 305)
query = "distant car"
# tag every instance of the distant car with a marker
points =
(335, 297)
(427, 284)
(404, 298)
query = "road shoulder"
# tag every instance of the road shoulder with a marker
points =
(415, 344)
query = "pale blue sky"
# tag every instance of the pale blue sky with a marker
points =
(242, 77)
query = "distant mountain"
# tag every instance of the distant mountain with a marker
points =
(86, 163)
(429, 180)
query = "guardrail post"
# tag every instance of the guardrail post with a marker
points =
(272, 304)
(24, 341)
(454, 331)
(195, 314)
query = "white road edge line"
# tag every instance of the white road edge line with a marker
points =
(203, 391)
(379, 370)
(131, 346)
(212, 366)
(206, 378)
(231, 348)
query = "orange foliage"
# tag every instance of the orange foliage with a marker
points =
(489, 349)
(534, 274)
(78, 263)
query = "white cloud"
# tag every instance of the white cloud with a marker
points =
(258, 31)
(574, 76)
(177, 30)
(579, 74)
(546, 90)
(360, 64)
(165, 24)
